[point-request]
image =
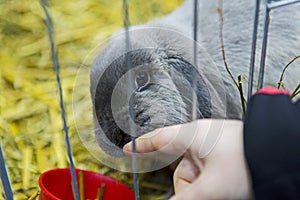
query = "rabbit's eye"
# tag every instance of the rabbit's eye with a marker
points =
(142, 78)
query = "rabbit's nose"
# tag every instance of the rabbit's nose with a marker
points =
(140, 117)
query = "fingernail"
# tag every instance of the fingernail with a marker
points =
(127, 147)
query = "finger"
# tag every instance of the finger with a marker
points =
(196, 190)
(171, 140)
(200, 135)
(186, 173)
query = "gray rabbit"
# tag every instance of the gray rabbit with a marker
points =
(159, 88)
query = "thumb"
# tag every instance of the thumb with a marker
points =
(197, 190)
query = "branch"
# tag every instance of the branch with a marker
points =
(238, 85)
(280, 83)
(296, 91)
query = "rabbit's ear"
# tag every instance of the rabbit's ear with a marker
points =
(184, 75)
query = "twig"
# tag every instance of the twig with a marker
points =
(241, 94)
(238, 85)
(222, 46)
(296, 91)
(81, 185)
(280, 83)
(100, 192)
(35, 195)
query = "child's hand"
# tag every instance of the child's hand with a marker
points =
(210, 168)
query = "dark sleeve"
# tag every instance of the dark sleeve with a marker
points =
(272, 145)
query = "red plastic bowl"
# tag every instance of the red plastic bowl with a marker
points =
(56, 185)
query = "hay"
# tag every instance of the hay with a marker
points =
(30, 122)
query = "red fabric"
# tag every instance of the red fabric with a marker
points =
(272, 91)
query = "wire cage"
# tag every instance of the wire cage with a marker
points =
(269, 7)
